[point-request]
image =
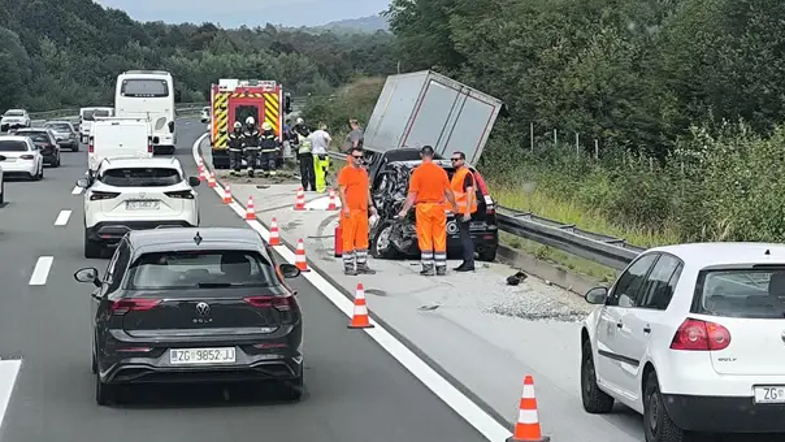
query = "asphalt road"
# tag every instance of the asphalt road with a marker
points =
(355, 391)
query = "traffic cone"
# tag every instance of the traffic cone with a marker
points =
(332, 205)
(338, 241)
(250, 213)
(211, 180)
(227, 195)
(360, 315)
(527, 429)
(299, 200)
(275, 239)
(299, 256)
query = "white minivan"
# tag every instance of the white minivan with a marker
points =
(87, 116)
(119, 137)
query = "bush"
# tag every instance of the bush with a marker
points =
(355, 100)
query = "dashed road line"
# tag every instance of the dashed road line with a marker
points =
(77, 190)
(63, 217)
(41, 270)
(9, 370)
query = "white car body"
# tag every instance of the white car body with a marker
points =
(205, 115)
(15, 118)
(151, 95)
(117, 136)
(87, 117)
(22, 157)
(2, 183)
(723, 371)
(136, 194)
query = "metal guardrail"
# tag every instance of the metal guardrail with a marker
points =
(602, 249)
(73, 112)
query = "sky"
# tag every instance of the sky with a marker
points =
(234, 13)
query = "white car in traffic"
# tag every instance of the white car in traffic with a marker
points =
(691, 336)
(87, 116)
(205, 115)
(136, 194)
(14, 119)
(21, 157)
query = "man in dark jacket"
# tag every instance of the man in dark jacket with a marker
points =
(251, 142)
(235, 148)
(268, 143)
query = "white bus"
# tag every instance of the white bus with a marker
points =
(151, 95)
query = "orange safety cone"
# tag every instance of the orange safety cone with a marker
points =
(527, 429)
(338, 241)
(211, 180)
(299, 256)
(360, 315)
(332, 205)
(227, 194)
(275, 238)
(250, 213)
(299, 200)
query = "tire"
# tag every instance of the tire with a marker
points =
(93, 363)
(92, 249)
(487, 255)
(2, 192)
(657, 425)
(57, 162)
(41, 172)
(105, 394)
(382, 232)
(595, 401)
(75, 147)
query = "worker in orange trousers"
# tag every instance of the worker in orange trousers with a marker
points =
(429, 186)
(355, 194)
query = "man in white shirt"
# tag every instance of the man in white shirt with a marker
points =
(320, 143)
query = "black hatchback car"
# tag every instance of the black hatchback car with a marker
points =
(191, 306)
(46, 142)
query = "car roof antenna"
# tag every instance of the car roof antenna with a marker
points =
(197, 239)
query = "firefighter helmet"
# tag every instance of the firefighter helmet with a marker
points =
(250, 120)
(300, 121)
(267, 126)
(238, 125)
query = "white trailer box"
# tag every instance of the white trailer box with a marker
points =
(425, 108)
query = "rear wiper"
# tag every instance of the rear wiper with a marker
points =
(204, 285)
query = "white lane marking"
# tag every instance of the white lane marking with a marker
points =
(9, 370)
(41, 270)
(63, 217)
(448, 393)
(77, 190)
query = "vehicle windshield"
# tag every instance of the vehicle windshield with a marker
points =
(90, 115)
(742, 293)
(60, 127)
(140, 177)
(144, 88)
(37, 137)
(208, 269)
(13, 146)
(14, 114)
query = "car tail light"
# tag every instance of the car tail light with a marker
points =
(490, 208)
(280, 303)
(27, 157)
(123, 306)
(697, 335)
(149, 144)
(181, 194)
(90, 145)
(98, 196)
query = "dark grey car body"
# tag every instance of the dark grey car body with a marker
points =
(65, 133)
(133, 347)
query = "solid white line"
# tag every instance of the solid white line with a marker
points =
(63, 217)
(41, 270)
(471, 412)
(77, 190)
(9, 370)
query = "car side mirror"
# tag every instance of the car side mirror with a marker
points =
(88, 274)
(597, 295)
(289, 271)
(194, 181)
(83, 182)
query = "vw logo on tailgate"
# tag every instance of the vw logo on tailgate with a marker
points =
(203, 309)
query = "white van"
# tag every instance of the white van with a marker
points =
(87, 116)
(119, 137)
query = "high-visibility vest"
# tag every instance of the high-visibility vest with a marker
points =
(461, 198)
(305, 144)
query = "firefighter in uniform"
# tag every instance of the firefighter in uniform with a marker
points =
(355, 195)
(305, 158)
(251, 144)
(429, 186)
(462, 185)
(235, 148)
(268, 143)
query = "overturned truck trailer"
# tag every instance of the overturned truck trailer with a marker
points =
(414, 110)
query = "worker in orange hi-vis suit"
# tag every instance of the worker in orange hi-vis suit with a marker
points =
(428, 189)
(355, 195)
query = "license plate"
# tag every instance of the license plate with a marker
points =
(770, 394)
(196, 356)
(142, 205)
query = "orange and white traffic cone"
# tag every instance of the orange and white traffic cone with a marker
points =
(360, 316)
(527, 428)
(299, 256)
(211, 180)
(250, 213)
(227, 194)
(275, 238)
(332, 205)
(299, 200)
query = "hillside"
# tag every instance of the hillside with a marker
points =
(68, 53)
(368, 24)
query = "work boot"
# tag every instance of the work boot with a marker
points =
(464, 268)
(365, 270)
(233, 172)
(427, 270)
(441, 270)
(350, 271)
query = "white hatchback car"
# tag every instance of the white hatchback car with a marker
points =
(691, 336)
(136, 194)
(21, 157)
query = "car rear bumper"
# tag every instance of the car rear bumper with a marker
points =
(69, 143)
(23, 167)
(110, 232)
(718, 414)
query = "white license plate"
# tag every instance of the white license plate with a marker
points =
(142, 205)
(196, 356)
(770, 394)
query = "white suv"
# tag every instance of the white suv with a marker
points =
(136, 194)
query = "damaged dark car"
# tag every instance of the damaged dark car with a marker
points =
(391, 238)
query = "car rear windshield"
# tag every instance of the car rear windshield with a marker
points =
(742, 293)
(37, 137)
(144, 88)
(62, 127)
(208, 269)
(12, 146)
(140, 177)
(14, 114)
(91, 114)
